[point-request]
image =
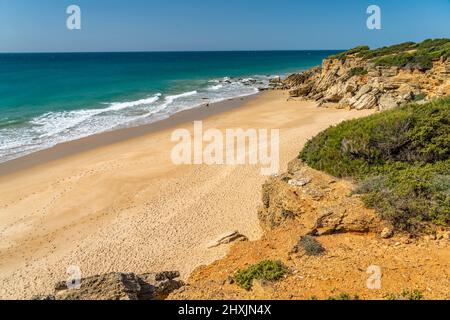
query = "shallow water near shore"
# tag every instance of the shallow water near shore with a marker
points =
(46, 99)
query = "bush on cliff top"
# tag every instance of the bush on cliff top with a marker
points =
(358, 71)
(343, 55)
(384, 51)
(408, 54)
(401, 159)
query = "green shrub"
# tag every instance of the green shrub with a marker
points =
(421, 61)
(410, 197)
(343, 297)
(265, 270)
(420, 97)
(310, 245)
(394, 60)
(343, 55)
(401, 159)
(413, 295)
(359, 71)
(384, 51)
(405, 55)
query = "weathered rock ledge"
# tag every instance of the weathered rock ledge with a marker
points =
(317, 201)
(356, 83)
(119, 286)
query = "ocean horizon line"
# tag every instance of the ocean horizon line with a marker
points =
(174, 51)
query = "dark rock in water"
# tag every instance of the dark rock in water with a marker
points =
(119, 286)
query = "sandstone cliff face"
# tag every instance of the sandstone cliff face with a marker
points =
(359, 84)
(317, 201)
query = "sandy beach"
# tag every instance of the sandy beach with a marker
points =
(116, 202)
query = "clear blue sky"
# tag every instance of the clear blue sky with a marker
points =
(173, 25)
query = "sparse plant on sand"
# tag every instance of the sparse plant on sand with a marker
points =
(413, 295)
(310, 246)
(265, 270)
(344, 296)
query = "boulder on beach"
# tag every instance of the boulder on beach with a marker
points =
(119, 286)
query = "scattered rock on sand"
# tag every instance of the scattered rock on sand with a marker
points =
(387, 233)
(300, 182)
(226, 239)
(230, 280)
(262, 287)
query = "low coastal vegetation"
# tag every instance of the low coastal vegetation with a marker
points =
(343, 297)
(310, 246)
(265, 270)
(405, 55)
(343, 55)
(400, 159)
(340, 297)
(412, 295)
(358, 71)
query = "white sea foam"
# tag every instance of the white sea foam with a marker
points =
(53, 123)
(216, 87)
(129, 104)
(170, 99)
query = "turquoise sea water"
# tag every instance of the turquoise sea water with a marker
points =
(46, 99)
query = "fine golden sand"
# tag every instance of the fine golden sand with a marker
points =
(124, 207)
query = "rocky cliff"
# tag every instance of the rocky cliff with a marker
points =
(320, 203)
(304, 203)
(377, 79)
